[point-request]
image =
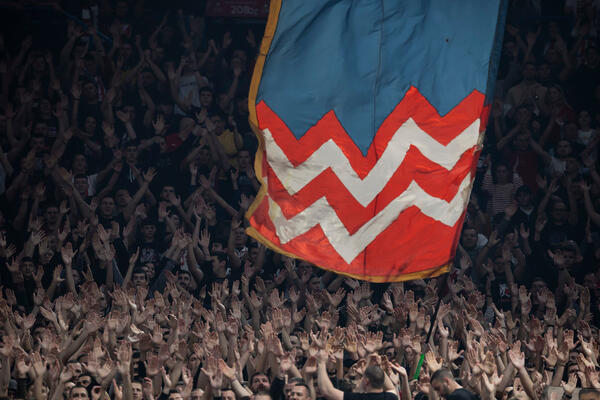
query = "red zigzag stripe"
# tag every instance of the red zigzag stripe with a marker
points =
(413, 105)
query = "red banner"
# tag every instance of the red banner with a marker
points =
(237, 8)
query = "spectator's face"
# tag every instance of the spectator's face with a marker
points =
(139, 279)
(524, 199)
(204, 157)
(184, 280)
(81, 185)
(122, 197)
(149, 270)
(102, 301)
(76, 277)
(303, 266)
(314, 283)
(390, 353)
(51, 215)
(149, 231)
(253, 253)
(441, 386)
(299, 393)
(52, 242)
(90, 125)
(78, 393)
(501, 174)
(27, 268)
(131, 111)
(219, 124)
(166, 192)
(76, 368)
(162, 145)
(260, 383)
(216, 247)
(569, 256)
(589, 281)
(536, 287)
(131, 154)
(563, 149)
(584, 119)
(228, 395)
(498, 263)
(176, 220)
(90, 92)
(236, 63)
(554, 94)
(241, 55)
(107, 206)
(175, 396)
(85, 380)
(206, 99)
(240, 237)
(244, 159)
(136, 389)
(559, 212)
(287, 389)
(79, 164)
(38, 144)
(469, 238)
(40, 129)
(197, 394)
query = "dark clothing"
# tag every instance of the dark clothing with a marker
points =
(461, 394)
(370, 396)
(276, 391)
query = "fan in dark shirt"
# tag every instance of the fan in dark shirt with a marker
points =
(444, 384)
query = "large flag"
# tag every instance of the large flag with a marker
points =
(370, 116)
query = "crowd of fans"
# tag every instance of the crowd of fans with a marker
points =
(125, 170)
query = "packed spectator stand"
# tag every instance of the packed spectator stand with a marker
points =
(126, 166)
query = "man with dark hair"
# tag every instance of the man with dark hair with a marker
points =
(300, 391)
(373, 386)
(259, 382)
(289, 386)
(444, 385)
(78, 392)
(374, 377)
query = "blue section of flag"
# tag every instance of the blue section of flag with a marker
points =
(359, 57)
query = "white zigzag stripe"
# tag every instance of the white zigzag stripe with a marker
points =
(349, 246)
(364, 190)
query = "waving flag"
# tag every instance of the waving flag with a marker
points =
(370, 116)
